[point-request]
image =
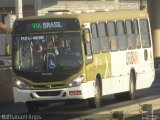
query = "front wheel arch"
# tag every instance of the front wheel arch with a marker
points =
(95, 102)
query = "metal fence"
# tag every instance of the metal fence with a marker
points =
(91, 5)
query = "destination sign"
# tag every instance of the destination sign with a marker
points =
(39, 37)
(45, 25)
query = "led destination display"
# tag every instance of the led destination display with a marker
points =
(46, 25)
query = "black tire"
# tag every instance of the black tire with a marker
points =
(128, 95)
(32, 106)
(132, 86)
(95, 102)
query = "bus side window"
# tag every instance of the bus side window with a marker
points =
(95, 42)
(111, 35)
(145, 36)
(130, 37)
(103, 37)
(122, 42)
(136, 34)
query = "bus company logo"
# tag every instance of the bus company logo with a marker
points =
(131, 58)
(46, 25)
(36, 26)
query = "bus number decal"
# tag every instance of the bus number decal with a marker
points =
(131, 58)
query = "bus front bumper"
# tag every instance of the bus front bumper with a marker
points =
(83, 91)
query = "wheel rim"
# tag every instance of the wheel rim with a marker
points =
(132, 88)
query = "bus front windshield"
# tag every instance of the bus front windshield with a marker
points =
(47, 53)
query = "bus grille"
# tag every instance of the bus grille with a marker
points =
(49, 93)
(51, 86)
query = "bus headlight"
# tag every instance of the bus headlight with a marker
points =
(77, 81)
(21, 85)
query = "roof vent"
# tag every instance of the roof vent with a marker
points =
(59, 12)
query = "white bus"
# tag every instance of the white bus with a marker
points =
(103, 53)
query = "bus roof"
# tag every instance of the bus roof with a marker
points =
(95, 16)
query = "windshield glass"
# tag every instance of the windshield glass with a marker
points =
(47, 53)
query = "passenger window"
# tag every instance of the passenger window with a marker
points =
(136, 34)
(111, 36)
(135, 26)
(145, 35)
(122, 43)
(95, 42)
(130, 37)
(103, 37)
(101, 29)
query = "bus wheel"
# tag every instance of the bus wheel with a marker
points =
(95, 102)
(132, 86)
(32, 106)
(130, 95)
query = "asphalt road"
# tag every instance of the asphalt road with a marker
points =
(62, 111)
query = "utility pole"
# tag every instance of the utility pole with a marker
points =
(154, 13)
(19, 8)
